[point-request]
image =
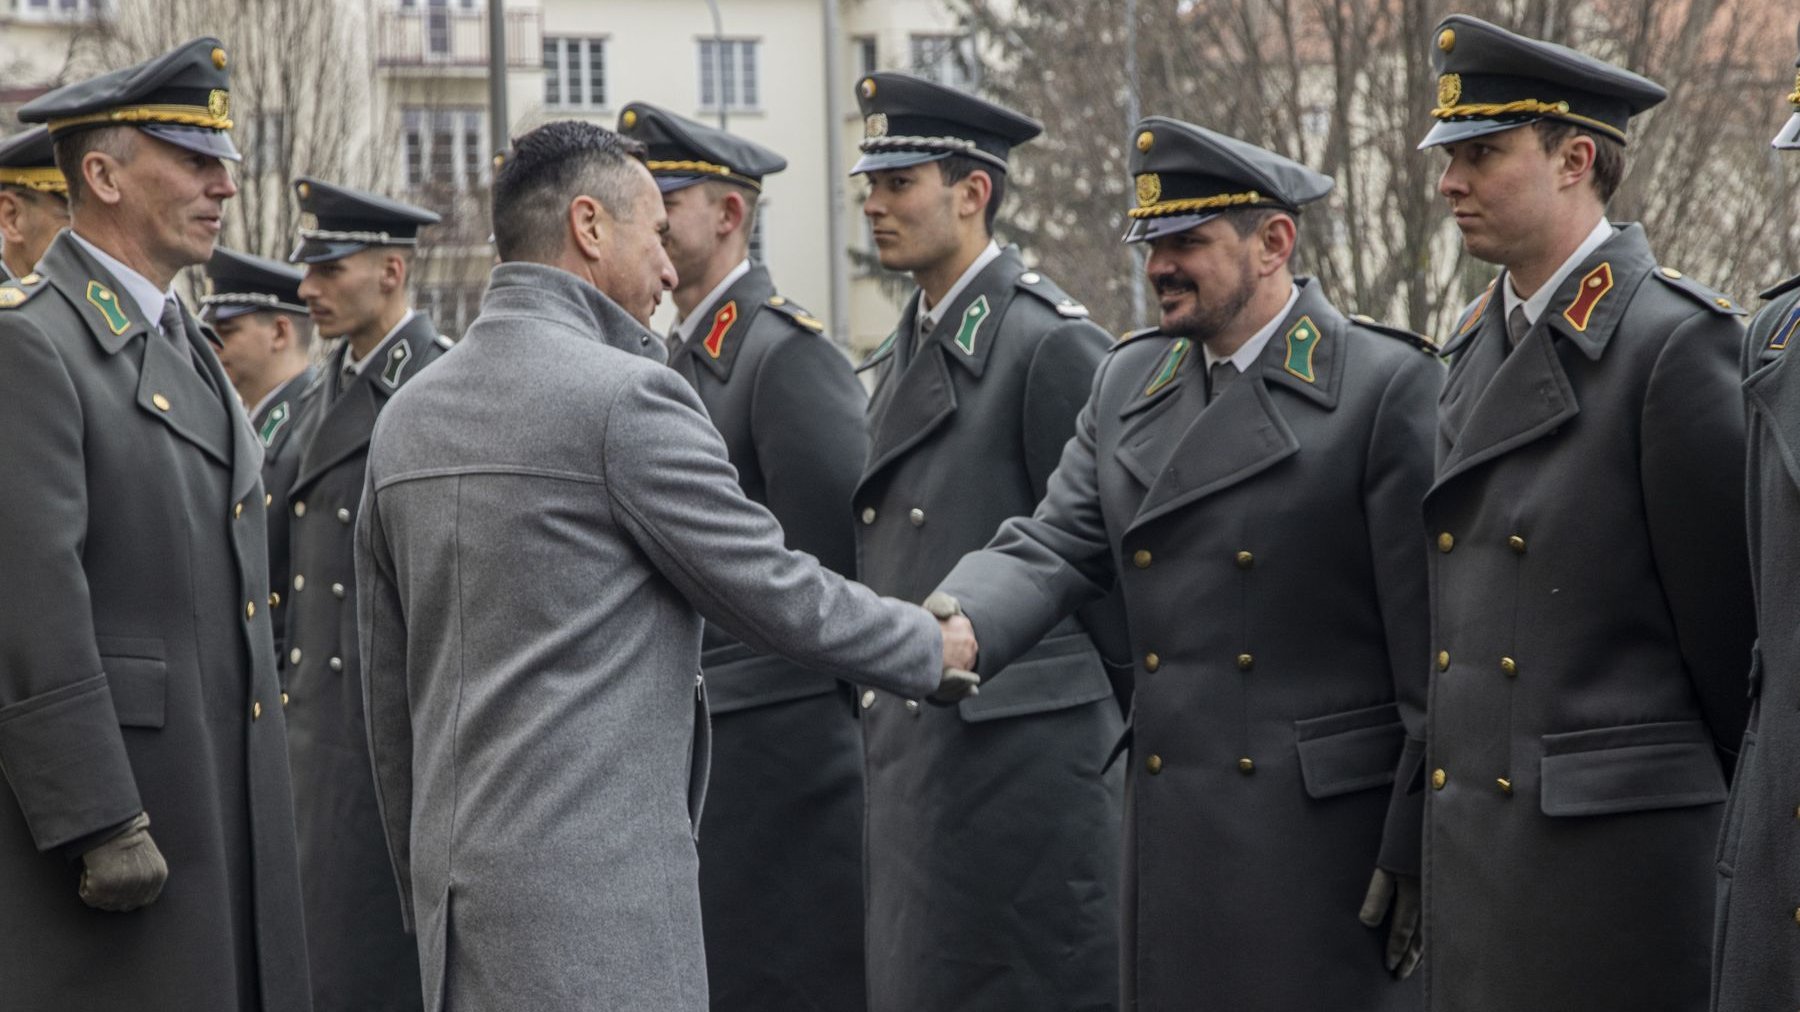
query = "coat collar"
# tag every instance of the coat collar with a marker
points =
(537, 292)
(275, 414)
(97, 296)
(346, 422)
(724, 325)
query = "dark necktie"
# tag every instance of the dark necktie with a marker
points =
(1516, 325)
(175, 332)
(1218, 377)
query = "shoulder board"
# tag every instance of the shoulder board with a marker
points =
(1419, 341)
(1782, 289)
(1136, 335)
(443, 342)
(1705, 296)
(1053, 296)
(793, 312)
(17, 292)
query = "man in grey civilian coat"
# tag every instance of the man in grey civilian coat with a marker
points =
(1249, 474)
(1591, 612)
(357, 249)
(781, 858)
(549, 514)
(146, 828)
(999, 888)
(1756, 961)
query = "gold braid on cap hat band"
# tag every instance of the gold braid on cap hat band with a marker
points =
(1189, 205)
(1524, 107)
(703, 169)
(180, 115)
(44, 180)
(1795, 97)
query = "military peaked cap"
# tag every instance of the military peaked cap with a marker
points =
(908, 120)
(683, 152)
(238, 283)
(28, 160)
(1187, 175)
(1789, 137)
(336, 221)
(1490, 80)
(182, 96)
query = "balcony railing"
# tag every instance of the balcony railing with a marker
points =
(445, 37)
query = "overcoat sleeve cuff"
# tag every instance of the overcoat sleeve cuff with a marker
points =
(1403, 835)
(65, 761)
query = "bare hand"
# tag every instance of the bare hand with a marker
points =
(960, 648)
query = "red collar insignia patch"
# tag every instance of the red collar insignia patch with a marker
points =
(722, 321)
(1594, 287)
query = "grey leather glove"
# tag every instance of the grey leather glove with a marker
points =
(1396, 897)
(126, 872)
(956, 684)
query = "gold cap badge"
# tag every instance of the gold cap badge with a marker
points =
(1449, 90)
(219, 103)
(1149, 189)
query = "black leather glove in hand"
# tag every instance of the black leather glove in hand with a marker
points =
(125, 872)
(1397, 896)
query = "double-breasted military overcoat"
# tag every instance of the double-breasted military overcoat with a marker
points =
(781, 850)
(1756, 961)
(361, 956)
(137, 670)
(1267, 548)
(274, 423)
(992, 827)
(1591, 634)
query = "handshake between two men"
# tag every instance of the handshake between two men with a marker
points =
(960, 649)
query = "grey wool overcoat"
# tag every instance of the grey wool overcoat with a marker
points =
(992, 827)
(1756, 961)
(274, 425)
(781, 857)
(549, 515)
(1267, 547)
(362, 958)
(1591, 633)
(137, 670)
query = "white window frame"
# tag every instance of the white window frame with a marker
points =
(745, 93)
(470, 166)
(576, 52)
(939, 69)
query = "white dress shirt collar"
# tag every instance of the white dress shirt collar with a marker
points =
(354, 367)
(928, 318)
(1540, 299)
(684, 327)
(1250, 350)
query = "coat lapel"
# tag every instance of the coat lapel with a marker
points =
(723, 326)
(349, 420)
(1773, 391)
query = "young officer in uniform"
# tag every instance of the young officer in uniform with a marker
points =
(357, 250)
(34, 203)
(1591, 614)
(975, 394)
(146, 827)
(781, 854)
(1756, 963)
(1250, 475)
(265, 345)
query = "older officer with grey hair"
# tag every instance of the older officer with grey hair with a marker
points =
(1249, 473)
(1756, 963)
(34, 201)
(1591, 609)
(549, 514)
(146, 827)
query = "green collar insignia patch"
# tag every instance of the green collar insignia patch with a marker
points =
(102, 298)
(1171, 365)
(1302, 341)
(396, 364)
(278, 417)
(973, 317)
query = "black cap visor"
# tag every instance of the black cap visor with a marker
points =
(318, 251)
(1452, 130)
(1147, 229)
(671, 182)
(202, 140)
(875, 161)
(1789, 137)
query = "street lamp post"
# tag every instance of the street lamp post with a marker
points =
(718, 61)
(497, 118)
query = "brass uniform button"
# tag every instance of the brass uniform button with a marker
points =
(256, 711)
(299, 582)
(1246, 662)
(336, 663)
(249, 610)
(1797, 915)
(1443, 657)
(1509, 667)
(1141, 559)
(912, 707)
(868, 515)
(337, 591)
(917, 516)
(294, 656)
(300, 509)
(1438, 777)
(1446, 541)
(1505, 786)
(1153, 765)
(1152, 662)
(284, 700)
(1245, 560)
(274, 599)
(161, 402)
(1670, 272)
(237, 511)
(1517, 544)
(268, 500)
(343, 515)
(868, 698)
(1246, 766)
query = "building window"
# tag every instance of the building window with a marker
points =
(948, 60)
(437, 28)
(65, 10)
(864, 47)
(574, 73)
(443, 147)
(728, 71)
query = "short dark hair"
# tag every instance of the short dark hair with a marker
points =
(716, 191)
(1609, 154)
(547, 168)
(71, 148)
(957, 168)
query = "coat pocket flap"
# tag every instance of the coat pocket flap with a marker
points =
(1634, 768)
(1059, 673)
(750, 679)
(1350, 751)
(138, 677)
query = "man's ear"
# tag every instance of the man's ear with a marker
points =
(11, 210)
(732, 213)
(589, 227)
(973, 192)
(1575, 159)
(101, 172)
(1276, 239)
(284, 333)
(393, 272)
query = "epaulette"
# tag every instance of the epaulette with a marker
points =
(793, 312)
(17, 292)
(1419, 341)
(1133, 335)
(443, 342)
(1053, 296)
(1781, 289)
(1707, 297)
